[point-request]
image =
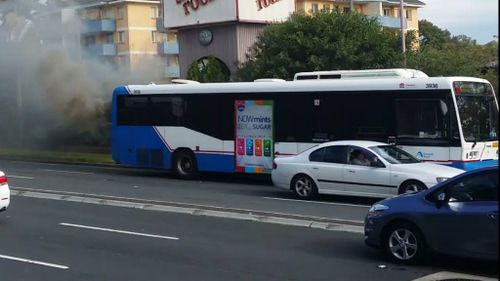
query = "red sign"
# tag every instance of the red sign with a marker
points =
(261, 4)
(193, 5)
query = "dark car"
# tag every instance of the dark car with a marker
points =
(456, 217)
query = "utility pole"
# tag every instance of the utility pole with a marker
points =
(402, 18)
(351, 6)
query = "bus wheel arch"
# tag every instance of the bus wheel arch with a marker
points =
(411, 185)
(184, 163)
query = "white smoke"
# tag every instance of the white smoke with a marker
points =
(53, 94)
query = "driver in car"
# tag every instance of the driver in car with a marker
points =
(359, 158)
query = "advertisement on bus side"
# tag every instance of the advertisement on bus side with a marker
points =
(254, 146)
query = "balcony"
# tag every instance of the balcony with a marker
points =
(172, 71)
(391, 22)
(99, 26)
(168, 48)
(100, 50)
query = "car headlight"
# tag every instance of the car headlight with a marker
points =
(441, 179)
(378, 208)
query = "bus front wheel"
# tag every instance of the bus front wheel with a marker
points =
(184, 164)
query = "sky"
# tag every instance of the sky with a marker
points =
(477, 19)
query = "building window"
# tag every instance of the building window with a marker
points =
(314, 8)
(154, 39)
(89, 40)
(120, 13)
(154, 12)
(326, 7)
(109, 38)
(121, 36)
(347, 10)
(408, 14)
(387, 12)
(107, 14)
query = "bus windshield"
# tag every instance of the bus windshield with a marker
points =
(394, 155)
(478, 111)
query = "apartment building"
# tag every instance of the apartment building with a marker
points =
(126, 34)
(386, 11)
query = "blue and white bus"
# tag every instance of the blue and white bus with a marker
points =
(241, 127)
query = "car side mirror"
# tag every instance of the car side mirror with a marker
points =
(441, 200)
(377, 163)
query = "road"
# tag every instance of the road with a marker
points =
(80, 241)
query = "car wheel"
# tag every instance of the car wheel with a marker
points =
(404, 243)
(184, 164)
(304, 187)
(411, 186)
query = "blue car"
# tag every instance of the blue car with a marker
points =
(456, 217)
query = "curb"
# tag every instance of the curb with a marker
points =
(193, 209)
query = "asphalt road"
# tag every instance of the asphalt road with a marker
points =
(223, 190)
(184, 247)
(44, 239)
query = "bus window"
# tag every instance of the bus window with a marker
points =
(422, 118)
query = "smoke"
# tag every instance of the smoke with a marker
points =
(51, 93)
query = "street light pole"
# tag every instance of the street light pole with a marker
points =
(403, 39)
(351, 6)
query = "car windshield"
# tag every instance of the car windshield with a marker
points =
(478, 111)
(394, 155)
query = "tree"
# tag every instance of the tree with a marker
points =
(208, 70)
(431, 35)
(441, 54)
(324, 41)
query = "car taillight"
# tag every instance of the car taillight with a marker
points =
(3, 180)
(275, 166)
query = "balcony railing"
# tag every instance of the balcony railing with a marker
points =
(168, 48)
(391, 22)
(100, 50)
(172, 72)
(99, 26)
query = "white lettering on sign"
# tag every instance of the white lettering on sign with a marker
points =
(192, 5)
(261, 4)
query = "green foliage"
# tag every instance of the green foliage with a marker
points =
(209, 70)
(440, 54)
(324, 41)
(431, 35)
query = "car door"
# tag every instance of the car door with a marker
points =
(327, 164)
(370, 180)
(467, 224)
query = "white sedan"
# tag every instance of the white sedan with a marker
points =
(4, 192)
(359, 168)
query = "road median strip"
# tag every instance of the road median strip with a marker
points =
(195, 209)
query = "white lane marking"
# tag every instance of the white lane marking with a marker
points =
(317, 202)
(117, 231)
(447, 275)
(67, 172)
(34, 262)
(20, 177)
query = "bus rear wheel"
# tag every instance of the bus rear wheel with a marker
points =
(184, 164)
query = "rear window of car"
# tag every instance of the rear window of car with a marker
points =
(317, 155)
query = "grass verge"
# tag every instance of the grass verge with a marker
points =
(56, 156)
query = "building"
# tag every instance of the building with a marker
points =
(227, 29)
(126, 34)
(386, 11)
(220, 28)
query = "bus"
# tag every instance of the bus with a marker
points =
(240, 127)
